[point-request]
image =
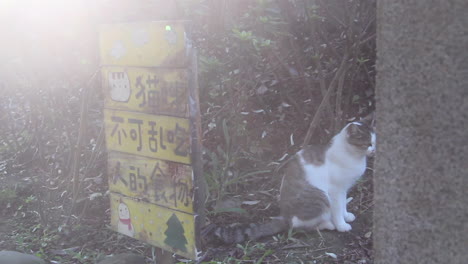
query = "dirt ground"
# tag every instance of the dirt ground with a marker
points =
(307, 247)
(20, 231)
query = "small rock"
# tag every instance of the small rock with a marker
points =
(125, 258)
(13, 257)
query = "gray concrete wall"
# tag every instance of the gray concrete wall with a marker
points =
(421, 170)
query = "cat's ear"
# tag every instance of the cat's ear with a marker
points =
(369, 119)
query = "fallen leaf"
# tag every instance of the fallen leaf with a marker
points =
(268, 206)
(283, 157)
(94, 196)
(262, 89)
(250, 202)
(368, 234)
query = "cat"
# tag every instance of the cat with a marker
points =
(314, 186)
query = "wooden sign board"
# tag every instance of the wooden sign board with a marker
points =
(157, 136)
(148, 90)
(165, 183)
(162, 227)
(152, 130)
(144, 44)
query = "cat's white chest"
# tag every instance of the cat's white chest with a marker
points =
(346, 173)
(315, 175)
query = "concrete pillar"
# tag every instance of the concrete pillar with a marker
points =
(421, 170)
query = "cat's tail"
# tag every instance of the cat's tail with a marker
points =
(238, 233)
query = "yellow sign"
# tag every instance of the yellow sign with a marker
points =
(153, 44)
(161, 137)
(164, 183)
(167, 229)
(152, 131)
(152, 91)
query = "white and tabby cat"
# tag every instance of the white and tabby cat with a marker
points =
(314, 187)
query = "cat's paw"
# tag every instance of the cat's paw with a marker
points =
(349, 217)
(343, 227)
(326, 225)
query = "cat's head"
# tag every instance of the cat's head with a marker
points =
(361, 135)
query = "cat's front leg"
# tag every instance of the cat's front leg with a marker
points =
(338, 208)
(348, 217)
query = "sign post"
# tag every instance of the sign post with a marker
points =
(152, 129)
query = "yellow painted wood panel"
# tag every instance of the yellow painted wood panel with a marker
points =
(165, 183)
(161, 137)
(148, 90)
(167, 229)
(146, 44)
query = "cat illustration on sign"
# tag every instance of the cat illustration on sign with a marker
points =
(119, 86)
(125, 222)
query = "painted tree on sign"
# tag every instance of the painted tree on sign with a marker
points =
(175, 234)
